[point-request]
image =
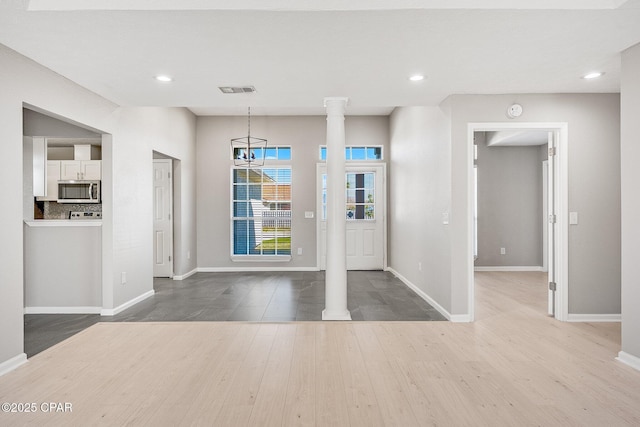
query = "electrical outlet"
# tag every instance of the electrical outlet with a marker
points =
(188, 254)
(123, 277)
(299, 251)
(503, 251)
(419, 266)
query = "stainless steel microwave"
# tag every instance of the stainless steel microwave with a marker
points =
(78, 191)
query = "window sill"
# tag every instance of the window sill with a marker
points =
(260, 258)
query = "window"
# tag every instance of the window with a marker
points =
(261, 208)
(269, 153)
(360, 192)
(373, 152)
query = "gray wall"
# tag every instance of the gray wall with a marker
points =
(304, 134)
(38, 124)
(594, 189)
(509, 205)
(419, 195)
(630, 155)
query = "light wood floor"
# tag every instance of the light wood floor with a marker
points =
(514, 366)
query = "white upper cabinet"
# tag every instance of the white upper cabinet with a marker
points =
(39, 166)
(80, 169)
(53, 176)
(91, 169)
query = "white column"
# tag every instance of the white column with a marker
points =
(336, 274)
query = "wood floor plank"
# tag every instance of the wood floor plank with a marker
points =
(513, 366)
(331, 403)
(241, 397)
(270, 400)
(360, 397)
(299, 408)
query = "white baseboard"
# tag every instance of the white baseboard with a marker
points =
(187, 275)
(130, 303)
(250, 269)
(592, 318)
(62, 310)
(460, 318)
(427, 298)
(13, 363)
(629, 360)
(336, 316)
(509, 268)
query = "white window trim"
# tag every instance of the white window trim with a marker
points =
(253, 257)
(381, 147)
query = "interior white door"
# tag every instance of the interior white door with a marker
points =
(364, 214)
(162, 218)
(551, 224)
(545, 216)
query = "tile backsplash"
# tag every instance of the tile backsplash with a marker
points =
(53, 210)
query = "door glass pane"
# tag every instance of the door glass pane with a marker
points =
(360, 196)
(351, 180)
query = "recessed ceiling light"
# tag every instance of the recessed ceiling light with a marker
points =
(163, 78)
(416, 78)
(593, 75)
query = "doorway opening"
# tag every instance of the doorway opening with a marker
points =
(518, 204)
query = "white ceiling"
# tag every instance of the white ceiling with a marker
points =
(297, 52)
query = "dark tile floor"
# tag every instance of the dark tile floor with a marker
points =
(257, 297)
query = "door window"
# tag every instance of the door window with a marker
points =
(360, 196)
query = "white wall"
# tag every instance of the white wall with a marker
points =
(630, 156)
(304, 134)
(419, 181)
(63, 267)
(594, 189)
(132, 135)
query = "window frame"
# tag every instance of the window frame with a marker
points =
(350, 148)
(276, 147)
(268, 164)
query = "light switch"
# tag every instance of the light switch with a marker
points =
(573, 218)
(308, 214)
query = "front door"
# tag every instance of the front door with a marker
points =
(162, 221)
(364, 213)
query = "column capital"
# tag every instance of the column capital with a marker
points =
(333, 100)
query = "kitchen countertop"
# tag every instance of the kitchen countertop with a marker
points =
(64, 223)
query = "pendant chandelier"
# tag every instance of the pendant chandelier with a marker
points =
(248, 151)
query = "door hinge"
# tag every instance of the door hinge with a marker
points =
(552, 286)
(552, 151)
(169, 257)
(552, 219)
(169, 216)
(169, 175)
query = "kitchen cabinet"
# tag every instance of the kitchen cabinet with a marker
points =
(80, 169)
(39, 165)
(53, 176)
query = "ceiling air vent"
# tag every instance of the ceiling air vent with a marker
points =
(237, 89)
